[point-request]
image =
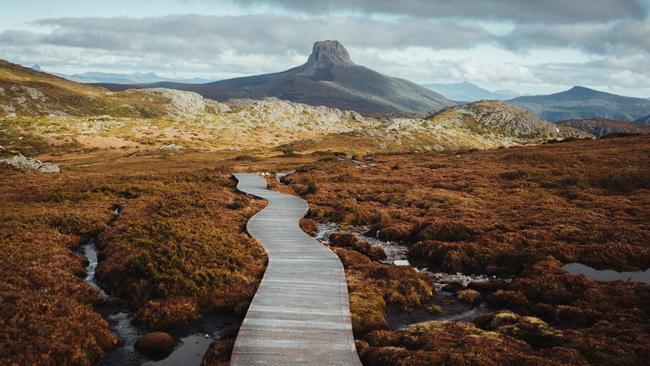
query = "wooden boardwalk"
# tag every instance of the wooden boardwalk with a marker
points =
(300, 314)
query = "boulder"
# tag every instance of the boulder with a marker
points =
(25, 163)
(156, 345)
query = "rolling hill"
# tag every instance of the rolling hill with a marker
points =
(329, 78)
(42, 112)
(29, 92)
(580, 102)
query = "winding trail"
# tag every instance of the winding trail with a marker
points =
(300, 314)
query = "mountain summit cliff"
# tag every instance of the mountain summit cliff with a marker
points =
(328, 78)
(328, 53)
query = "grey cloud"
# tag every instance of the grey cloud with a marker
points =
(19, 37)
(252, 34)
(201, 36)
(619, 37)
(601, 74)
(542, 11)
(238, 45)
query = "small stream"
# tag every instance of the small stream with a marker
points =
(90, 252)
(397, 254)
(192, 341)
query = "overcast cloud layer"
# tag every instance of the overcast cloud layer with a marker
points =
(543, 11)
(529, 46)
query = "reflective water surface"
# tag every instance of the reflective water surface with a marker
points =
(607, 274)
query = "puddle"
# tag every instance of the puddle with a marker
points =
(452, 311)
(608, 275)
(193, 342)
(192, 347)
(128, 334)
(190, 352)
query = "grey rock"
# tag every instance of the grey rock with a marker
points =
(30, 164)
(33, 93)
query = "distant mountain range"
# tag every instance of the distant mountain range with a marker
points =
(468, 92)
(329, 78)
(135, 78)
(95, 77)
(580, 103)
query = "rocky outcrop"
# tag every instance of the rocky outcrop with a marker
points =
(30, 164)
(185, 102)
(498, 118)
(328, 53)
(281, 114)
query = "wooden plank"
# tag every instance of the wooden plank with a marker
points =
(300, 314)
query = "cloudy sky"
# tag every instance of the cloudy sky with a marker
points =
(530, 46)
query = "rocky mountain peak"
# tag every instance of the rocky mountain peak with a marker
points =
(328, 53)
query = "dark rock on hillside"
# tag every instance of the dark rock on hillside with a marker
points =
(605, 127)
(329, 78)
(580, 102)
